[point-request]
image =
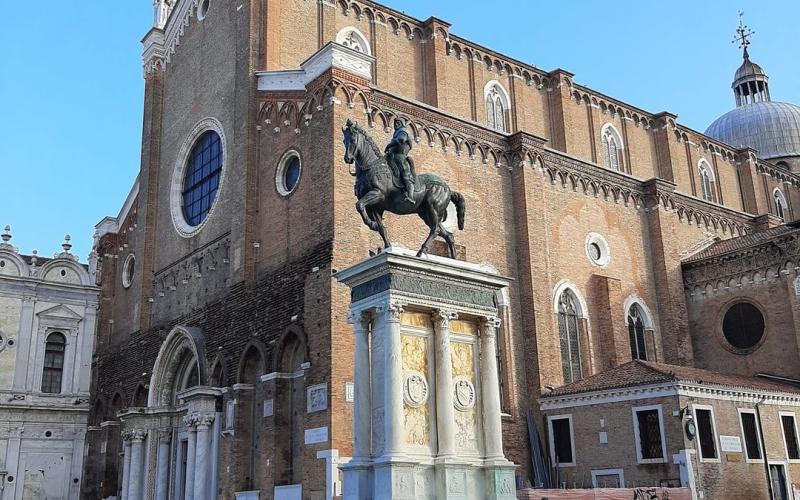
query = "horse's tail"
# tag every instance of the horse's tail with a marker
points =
(458, 199)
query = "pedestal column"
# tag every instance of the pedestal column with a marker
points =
(492, 425)
(126, 463)
(137, 463)
(361, 379)
(204, 422)
(162, 474)
(393, 381)
(191, 425)
(445, 411)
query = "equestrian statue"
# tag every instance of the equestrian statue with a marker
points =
(388, 182)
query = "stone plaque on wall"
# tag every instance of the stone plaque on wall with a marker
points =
(317, 398)
(349, 392)
(317, 435)
(269, 407)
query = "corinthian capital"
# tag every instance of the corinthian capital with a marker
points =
(360, 319)
(165, 435)
(394, 310)
(442, 317)
(489, 325)
(126, 436)
(190, 421)
(138, 434)
(204, 420)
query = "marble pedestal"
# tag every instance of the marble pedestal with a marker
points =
(426, 419)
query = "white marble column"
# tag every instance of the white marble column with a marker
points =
(191, 426)
(492, 425)
(393, 388)
(162, 474)
(445, 411)
(126, 463)
(361, 380)
(135, 489)
(202, 452)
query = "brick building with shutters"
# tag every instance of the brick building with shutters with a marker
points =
(224, 357)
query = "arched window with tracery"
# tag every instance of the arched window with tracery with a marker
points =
(53, 370)
(497, 104)
(612, 147)
(780, 203)
(636, 333)
(569, 336)
(706, 181)
(353, 39)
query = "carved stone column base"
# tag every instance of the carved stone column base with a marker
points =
(500, 482)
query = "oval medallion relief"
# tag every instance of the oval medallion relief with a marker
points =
(463, 394)
(415, 389)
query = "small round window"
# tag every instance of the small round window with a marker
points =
(597, 250)
(743, 326)
(128, 271)
(288, 174)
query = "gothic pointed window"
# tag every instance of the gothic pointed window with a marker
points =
(780, 204)
(706, 181)
(495, 109)
(612, 145)
(53, 363)
(569, 337)
(636, 333)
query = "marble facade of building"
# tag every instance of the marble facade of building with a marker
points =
(48, 310)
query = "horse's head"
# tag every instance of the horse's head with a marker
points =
(351, 140)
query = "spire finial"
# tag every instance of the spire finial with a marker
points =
(6, 234)
(67, 246)
(743, 34)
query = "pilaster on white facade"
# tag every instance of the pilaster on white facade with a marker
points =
(427, 421)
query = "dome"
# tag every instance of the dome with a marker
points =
(771, 128)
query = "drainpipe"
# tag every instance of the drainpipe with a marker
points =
(764, 450)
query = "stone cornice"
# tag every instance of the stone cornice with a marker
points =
(669, 389)
(766, 261)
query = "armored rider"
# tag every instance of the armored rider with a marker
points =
(397, 155)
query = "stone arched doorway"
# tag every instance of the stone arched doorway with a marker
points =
(171, 448)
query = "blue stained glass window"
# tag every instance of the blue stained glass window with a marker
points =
(203, 169)
(291, 174)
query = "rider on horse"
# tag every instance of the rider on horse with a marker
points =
(397, 156)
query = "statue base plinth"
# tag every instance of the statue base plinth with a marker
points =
(427, 407)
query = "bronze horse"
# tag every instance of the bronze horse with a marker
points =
(380, 189)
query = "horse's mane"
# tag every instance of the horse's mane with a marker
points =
(370, 141)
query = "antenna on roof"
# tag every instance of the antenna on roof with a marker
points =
(743, 34)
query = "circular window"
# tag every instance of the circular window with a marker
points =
(197, 178)
(128, 270)
(203, 9)
(597, 250)
(743, 326)
(288, 174)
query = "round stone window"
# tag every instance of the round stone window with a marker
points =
(128, 271)
(287, 177)
(202, 10)
(197, 178)
(743, 326)
(597, 250)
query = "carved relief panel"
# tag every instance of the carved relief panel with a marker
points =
(417, 361)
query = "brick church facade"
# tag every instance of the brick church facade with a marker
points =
(224, 357)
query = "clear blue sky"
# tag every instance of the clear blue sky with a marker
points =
(71, 84)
